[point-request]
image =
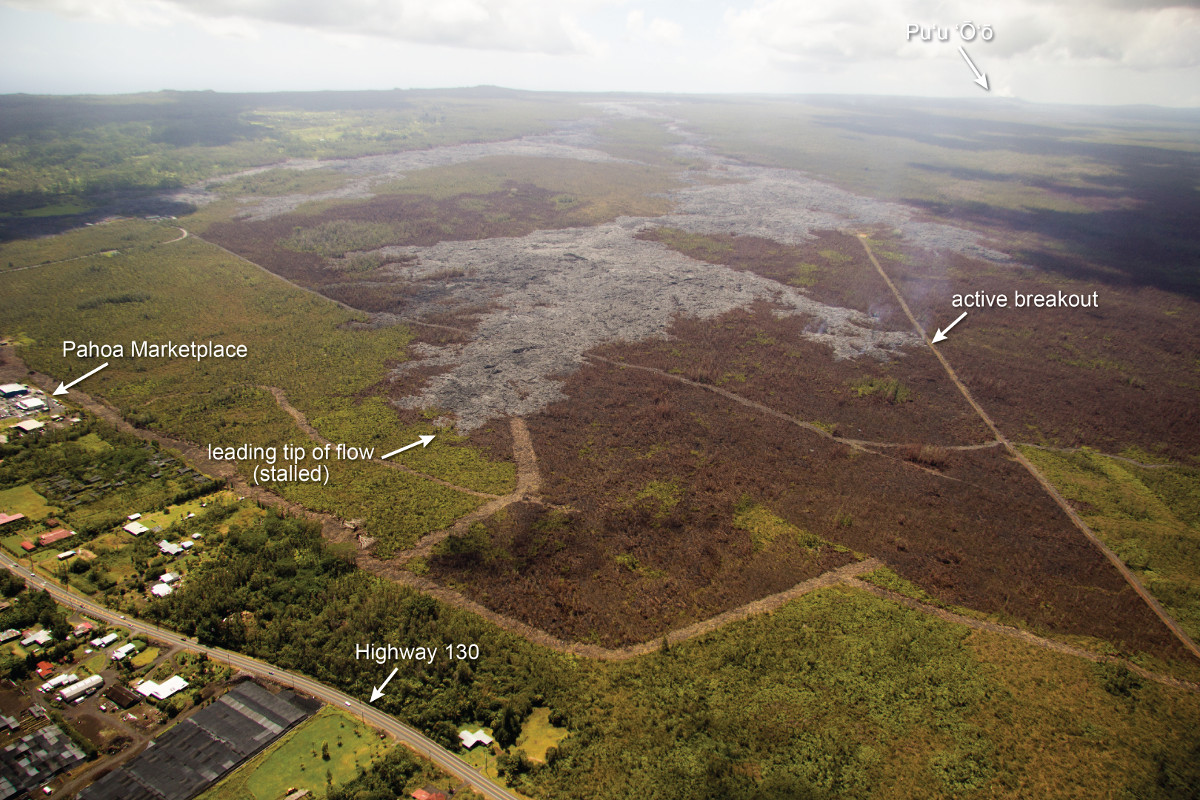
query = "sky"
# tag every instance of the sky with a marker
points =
(1048, 51)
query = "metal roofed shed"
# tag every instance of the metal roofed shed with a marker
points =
(123, 651)
(135, 528)
(122, 696)
(81, 689)
(9, 390)
(161, 589)
(58, 534)
(104, 641)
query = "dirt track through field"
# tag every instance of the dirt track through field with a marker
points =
(861, 445)
(529, 484)
(1020, 458)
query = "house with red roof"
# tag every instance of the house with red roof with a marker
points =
(430, 793)
(53, 536)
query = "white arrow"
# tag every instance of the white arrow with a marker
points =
(425, 440)
(980, 78)
(377, 691)
(941, 334)
(63, 389)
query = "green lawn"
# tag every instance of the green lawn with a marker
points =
(145, 658)
(295, 761)
(24, 500)
(538, 735)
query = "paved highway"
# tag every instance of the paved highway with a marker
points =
(408, 736)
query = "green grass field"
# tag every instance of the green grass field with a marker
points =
(296, 761)
(25, 500)
(145, 658)
(177, 513)
(538, 735)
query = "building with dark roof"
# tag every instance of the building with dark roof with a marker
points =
(34, 759)
(202, 749)
(122, 696)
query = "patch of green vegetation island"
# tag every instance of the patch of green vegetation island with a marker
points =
(765, 527)
(890, 390)
(283, 181)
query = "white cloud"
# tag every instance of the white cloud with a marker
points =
(658, 30)
(533, 26)
(1138, 35)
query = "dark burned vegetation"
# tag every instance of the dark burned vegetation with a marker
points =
(1122, 376)
(654, 473)
(759, 355)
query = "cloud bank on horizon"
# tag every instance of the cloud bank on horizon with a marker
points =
(1110, 51)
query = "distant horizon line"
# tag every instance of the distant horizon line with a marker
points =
(1004, 101)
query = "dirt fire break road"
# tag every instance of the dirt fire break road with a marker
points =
(1020, 458)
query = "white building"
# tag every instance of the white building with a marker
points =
(123, 651)
(135, 528)
(66, 679)
(162, 690)
(161, 590)
(31, 404)
(81, 689)
(470, 739)
(104, 641)
(41, 637)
